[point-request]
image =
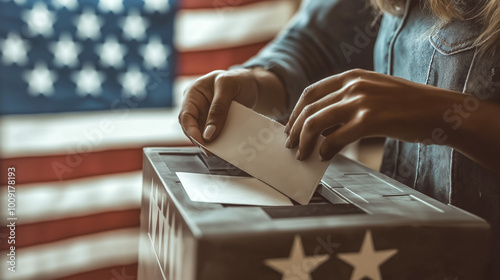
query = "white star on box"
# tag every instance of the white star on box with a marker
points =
(40, 80)
(14, 50)
(88, 81)
(297, 266)
(134, 82)
(114, 6)
(134, 26)
(155, 53)
(65, 51)
(68, 4)
(88, 25)
(39, 20)
(111, 52)
(156, 6)
(366, 263)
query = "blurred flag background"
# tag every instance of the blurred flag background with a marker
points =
(84, 86)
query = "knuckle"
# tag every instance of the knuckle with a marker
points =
(309, 109)
(311, 125)
(183, 115)
(307, 93)
(222, 79)
(358, 87)
(217, 109)
(356, 72)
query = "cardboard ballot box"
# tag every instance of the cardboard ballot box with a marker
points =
(359, 225)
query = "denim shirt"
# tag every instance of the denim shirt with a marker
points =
(328, 37)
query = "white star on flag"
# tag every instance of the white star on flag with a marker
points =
(18, 2)
(39, 20)
(14, 50)
(114, 6)
(366, 263)
(65, 51)
(88, 81)
(156, 5)
(297, 266)
(68, 4)
(155, 53)
(88, 25)
(40, 80)
(111, 52)
(134, 26)
(134, 82)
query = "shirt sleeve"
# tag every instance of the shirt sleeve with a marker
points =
(324, 38)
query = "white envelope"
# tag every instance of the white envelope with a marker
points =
(256, 145)
(231, 190)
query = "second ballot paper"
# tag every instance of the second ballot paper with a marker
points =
(256, 144)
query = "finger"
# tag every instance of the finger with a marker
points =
(308, 111)
(225, 88)
(336, 141)
(314, 126)
(189, 118)
(315, 92)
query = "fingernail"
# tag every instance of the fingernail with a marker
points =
(287, 128)
(298, 157)
(287, 142)
(209, 131)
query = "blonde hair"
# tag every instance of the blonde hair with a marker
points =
(487, 12)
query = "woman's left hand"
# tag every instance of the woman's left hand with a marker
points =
(359, 103)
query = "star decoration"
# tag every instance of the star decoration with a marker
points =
(88, 25)
(40, 80)
(65, 51)
(111, 52)
(68, 4)
(88, 81)
(297, 266)
(39, 20)
(366, 263)
(18, 2)
(134, 26)
(156, 6)
(155, 53)
(134, 82)
(114, 6)
(14, 50)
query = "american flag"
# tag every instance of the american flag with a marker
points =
(84, 86)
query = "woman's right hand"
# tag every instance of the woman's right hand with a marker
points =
(207, 100)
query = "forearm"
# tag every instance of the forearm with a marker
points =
(474, 130)
(321, 40)
(271, 94)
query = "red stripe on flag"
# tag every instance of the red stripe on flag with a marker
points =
(123, 272)
(49, 231)
(202, 62)
(214, 4)
(73, 166)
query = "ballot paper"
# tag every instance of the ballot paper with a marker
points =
(256, 145)
(230, 190)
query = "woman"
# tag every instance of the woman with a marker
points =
(435, 93)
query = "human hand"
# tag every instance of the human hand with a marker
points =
(359, 103)
(207, 100)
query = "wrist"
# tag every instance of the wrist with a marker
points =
(271, 97)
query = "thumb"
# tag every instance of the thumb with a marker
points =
(224, 93)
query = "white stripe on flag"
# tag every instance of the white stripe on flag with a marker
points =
(74, 255)
(82, 132)
(72, 198)
(231, 26)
